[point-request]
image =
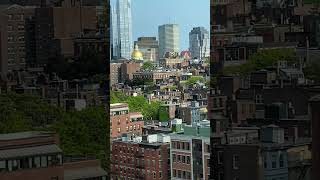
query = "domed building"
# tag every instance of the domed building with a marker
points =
(136, 54)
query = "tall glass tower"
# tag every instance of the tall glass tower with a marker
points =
(169, 37)
(199, 43)
(121, 29)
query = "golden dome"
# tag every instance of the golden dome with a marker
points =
(203, 110)
(136, 54)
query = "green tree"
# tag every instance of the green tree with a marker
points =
(147, 66)
(194, 79)
(163, 114)
(261, 59)
(312, 71)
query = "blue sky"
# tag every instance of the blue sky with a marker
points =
(147, 15)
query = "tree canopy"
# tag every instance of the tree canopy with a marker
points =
(260, 60)
(150, 111)
(147, 66)
(82, 133)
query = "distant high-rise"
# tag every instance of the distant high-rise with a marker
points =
(121, 29)
(168, 39)
(199, 42)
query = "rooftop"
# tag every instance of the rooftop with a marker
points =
(82, 173)
(24, 135)
(29, 151)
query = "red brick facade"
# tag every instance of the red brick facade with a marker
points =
(140, 160)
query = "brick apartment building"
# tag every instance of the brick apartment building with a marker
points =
(127, 71)
(190, 153)
(156, 76)
(17, 18)
(144, 157)
(3, 46)
(37, 156)
(114, 73)
(123, 122)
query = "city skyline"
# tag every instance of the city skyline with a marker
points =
(177, 13)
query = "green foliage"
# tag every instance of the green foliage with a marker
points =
(163, 114)
(147, 66)
(140, 82)
(260, 60)
(138, 104)
(173, 87)
(81, 133)
(21, 112)
(117, 97)
(312, 71)
(194, 79)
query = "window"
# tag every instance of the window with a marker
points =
(179, 173)
(21, 49)
(10, 28)
(179, 158)
(174, 157)
(10, 50)
(59, 159)
(188, 175)
(119, 130)
(15, 164)
(10, 38)
(21, 38)
(281, 161)
(183, 159)
(2, 165)
(187, 146)
(160, 174)
(119, 121)
(274, 162)
(188, 159)
(44, 162)
(36, 162)
(154, 175)
(235, 162)
(174, 174)
(21, 27)
(220, 176)
(220, 157)
(265, 162)
(55, 178)
(183, 174)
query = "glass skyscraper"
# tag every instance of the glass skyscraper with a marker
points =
(169, 37)
(121, 32)
(199, 43)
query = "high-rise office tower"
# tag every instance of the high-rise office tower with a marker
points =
(121, 29)
(199, 43)
(168, 39)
